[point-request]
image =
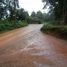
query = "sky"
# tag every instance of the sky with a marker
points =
(32, 5)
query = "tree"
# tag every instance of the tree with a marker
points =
(3, 12)
(39, 15)
(8, 5)
(59, 8)
(13, 6)
(36, 17)
(22, 14)
(33, 14)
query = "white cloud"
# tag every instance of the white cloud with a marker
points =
(31, 5)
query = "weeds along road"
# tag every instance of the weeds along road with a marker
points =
(29, 47)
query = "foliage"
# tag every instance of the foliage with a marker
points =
(33, 14)
(22, 14)
(56, 27)
(8, 5)
(48, 17)
(56, 30)
(39, 14)
(11, 16)
(60, 9)
(36, 17)
(6, 25)
(42, 17)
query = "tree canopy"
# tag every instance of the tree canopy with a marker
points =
(60, 9)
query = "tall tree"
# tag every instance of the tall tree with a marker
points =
(22, 14)
(33, 14)
(8, 5)
(2, 9)
(60, 9)
(39, 15)
(13, 6)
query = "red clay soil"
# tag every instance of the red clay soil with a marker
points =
(28, 47)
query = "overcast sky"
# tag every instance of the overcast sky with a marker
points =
(32, 5)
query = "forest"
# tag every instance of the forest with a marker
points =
(59, 25)
(12, 16)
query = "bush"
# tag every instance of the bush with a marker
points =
(21, 24)
(61, 31)
(6, 25)
(52, 22)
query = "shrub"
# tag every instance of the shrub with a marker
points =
(61, 31)
(6, 25)
(21, 24)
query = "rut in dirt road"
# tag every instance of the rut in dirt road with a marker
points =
(29, 47)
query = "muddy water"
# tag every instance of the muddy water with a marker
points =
(28, 47)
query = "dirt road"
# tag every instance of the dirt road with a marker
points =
(28, 47)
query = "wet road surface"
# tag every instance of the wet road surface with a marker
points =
(28, 47)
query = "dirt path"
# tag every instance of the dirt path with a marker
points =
(28, 47)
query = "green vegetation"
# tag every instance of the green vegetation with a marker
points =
(11, 16)
(56, 30)
(59, 8)
(6, 25)
(40, 17)
(36, 17)
(58, 25)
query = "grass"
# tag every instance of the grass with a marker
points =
(56, 30)
(6, 25)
